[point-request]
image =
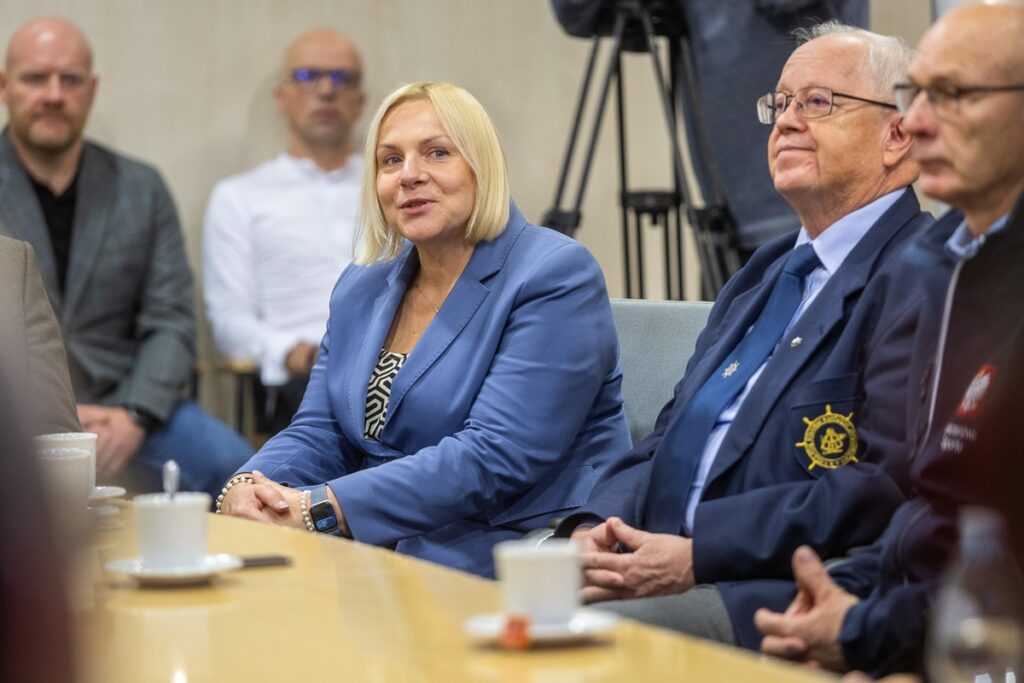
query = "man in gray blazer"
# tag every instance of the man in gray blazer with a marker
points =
(31, 353)
(112, 258)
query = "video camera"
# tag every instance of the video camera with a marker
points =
(597, 19)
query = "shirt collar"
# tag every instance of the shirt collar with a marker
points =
(963, 244)
(308, 167)
(836, 242)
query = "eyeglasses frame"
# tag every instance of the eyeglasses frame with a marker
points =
(343, 79)
(832, 103)
(946, 93)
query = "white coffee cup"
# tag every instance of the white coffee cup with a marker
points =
(67, 474)
(86, 440)
(172, 531)
(542, 581)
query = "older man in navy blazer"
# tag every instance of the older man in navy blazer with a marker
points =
(788, 425)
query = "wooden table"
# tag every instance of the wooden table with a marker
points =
(349, 612)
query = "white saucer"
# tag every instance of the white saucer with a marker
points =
(210, 566)
(585, 624)
(107, 522)
(106, 492)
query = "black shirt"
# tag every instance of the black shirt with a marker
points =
(59, 213)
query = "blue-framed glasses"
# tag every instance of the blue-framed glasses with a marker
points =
(338, 78)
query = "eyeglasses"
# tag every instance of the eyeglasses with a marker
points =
(339, 78)
(945, 99)
(811, 103)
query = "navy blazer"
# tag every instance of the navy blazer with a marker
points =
(505, 413)
(762, 499)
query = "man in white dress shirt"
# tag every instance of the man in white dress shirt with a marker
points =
(277, 237)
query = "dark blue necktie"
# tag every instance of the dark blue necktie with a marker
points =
(678, 454)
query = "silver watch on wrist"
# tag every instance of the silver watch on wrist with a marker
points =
(325, 519)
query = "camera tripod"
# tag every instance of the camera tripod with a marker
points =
(635, 25)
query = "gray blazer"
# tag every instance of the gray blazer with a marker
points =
(32, 360)
(127, 310)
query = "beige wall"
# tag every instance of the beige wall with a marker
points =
(185, 84)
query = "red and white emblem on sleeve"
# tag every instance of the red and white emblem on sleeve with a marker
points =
(976, 391)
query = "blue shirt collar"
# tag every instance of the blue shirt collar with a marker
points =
(836, 242)
(963, 244)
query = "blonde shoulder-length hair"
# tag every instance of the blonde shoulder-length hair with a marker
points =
(472, 132)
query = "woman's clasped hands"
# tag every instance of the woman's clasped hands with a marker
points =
(264, 500)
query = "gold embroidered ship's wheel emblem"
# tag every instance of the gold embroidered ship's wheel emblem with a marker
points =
(830, 440)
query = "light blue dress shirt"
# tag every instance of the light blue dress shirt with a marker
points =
(963, 244)
(832, 246)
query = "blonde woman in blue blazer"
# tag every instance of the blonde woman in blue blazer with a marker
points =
(468, 387)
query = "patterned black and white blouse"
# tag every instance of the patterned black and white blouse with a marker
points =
(379, 392)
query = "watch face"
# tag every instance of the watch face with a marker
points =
(323, 516)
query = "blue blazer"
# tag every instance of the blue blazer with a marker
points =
(505, 413)
(762, 499)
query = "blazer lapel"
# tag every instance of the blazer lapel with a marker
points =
(824, 314)
(92, 220)
(22, 218)
(741, 314)
(384, 309)
(813, 328)
(458, 309)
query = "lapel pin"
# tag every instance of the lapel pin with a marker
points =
(795, 342)
(733, 367)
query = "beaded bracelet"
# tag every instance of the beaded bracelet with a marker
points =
(232, 482)
(304, 506)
